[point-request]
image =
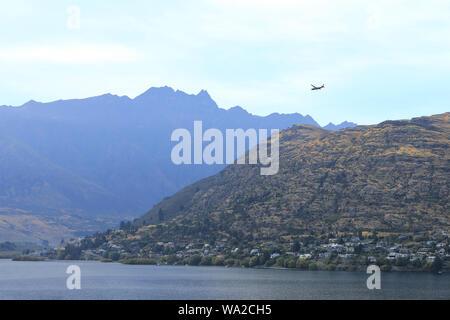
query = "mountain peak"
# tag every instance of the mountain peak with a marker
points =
(238, 109)
(206, 99)
(203, 93)
(177, 97)
(156, 92)
(342, 125)
(30, 103)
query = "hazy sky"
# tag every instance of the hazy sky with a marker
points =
(378, 59)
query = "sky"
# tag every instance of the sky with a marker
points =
(378, 60)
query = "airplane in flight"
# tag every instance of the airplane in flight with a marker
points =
(317, 88)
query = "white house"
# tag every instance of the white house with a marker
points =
(274, 255)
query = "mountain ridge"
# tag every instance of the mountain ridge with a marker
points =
(342, 125)
(387, 177)
(118, 144)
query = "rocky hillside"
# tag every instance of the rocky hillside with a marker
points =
(393, 176)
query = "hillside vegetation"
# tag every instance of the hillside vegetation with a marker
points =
(341, 201)
(393, 176)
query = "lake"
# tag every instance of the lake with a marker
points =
(47, 280)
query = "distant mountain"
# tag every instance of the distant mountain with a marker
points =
(391, 177)
(342, 125)
(85, 164)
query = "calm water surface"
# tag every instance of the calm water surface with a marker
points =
(47, 280)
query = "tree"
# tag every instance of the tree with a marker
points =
(219, 261)
(206, 261)
(386, 267)
(171, 259)
(72, 252)
(60, 255)
(313, 266)
(302, 264)
(195, 260)
(270, 263)
(246, 262)
(253, 262)
(291, 263)
(436, 265)
(114, 256)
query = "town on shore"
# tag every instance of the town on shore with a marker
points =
(421, 251)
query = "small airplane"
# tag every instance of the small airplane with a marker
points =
(317, 88)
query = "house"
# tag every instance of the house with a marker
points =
(274, 255)
(431, 258)
(396, 255)
(254, 251)
(189, 246)
(415, 256)
(392, 256)
(355, 240)
(334, 247)
(367, 241)
(372, 259)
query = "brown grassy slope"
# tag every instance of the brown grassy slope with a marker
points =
(386, 177)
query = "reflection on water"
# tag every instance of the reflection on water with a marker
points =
(47, 280)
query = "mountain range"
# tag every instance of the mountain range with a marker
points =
(72, 167)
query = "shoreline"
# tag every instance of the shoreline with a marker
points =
(394, 270)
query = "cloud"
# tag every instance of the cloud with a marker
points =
(72, 54)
